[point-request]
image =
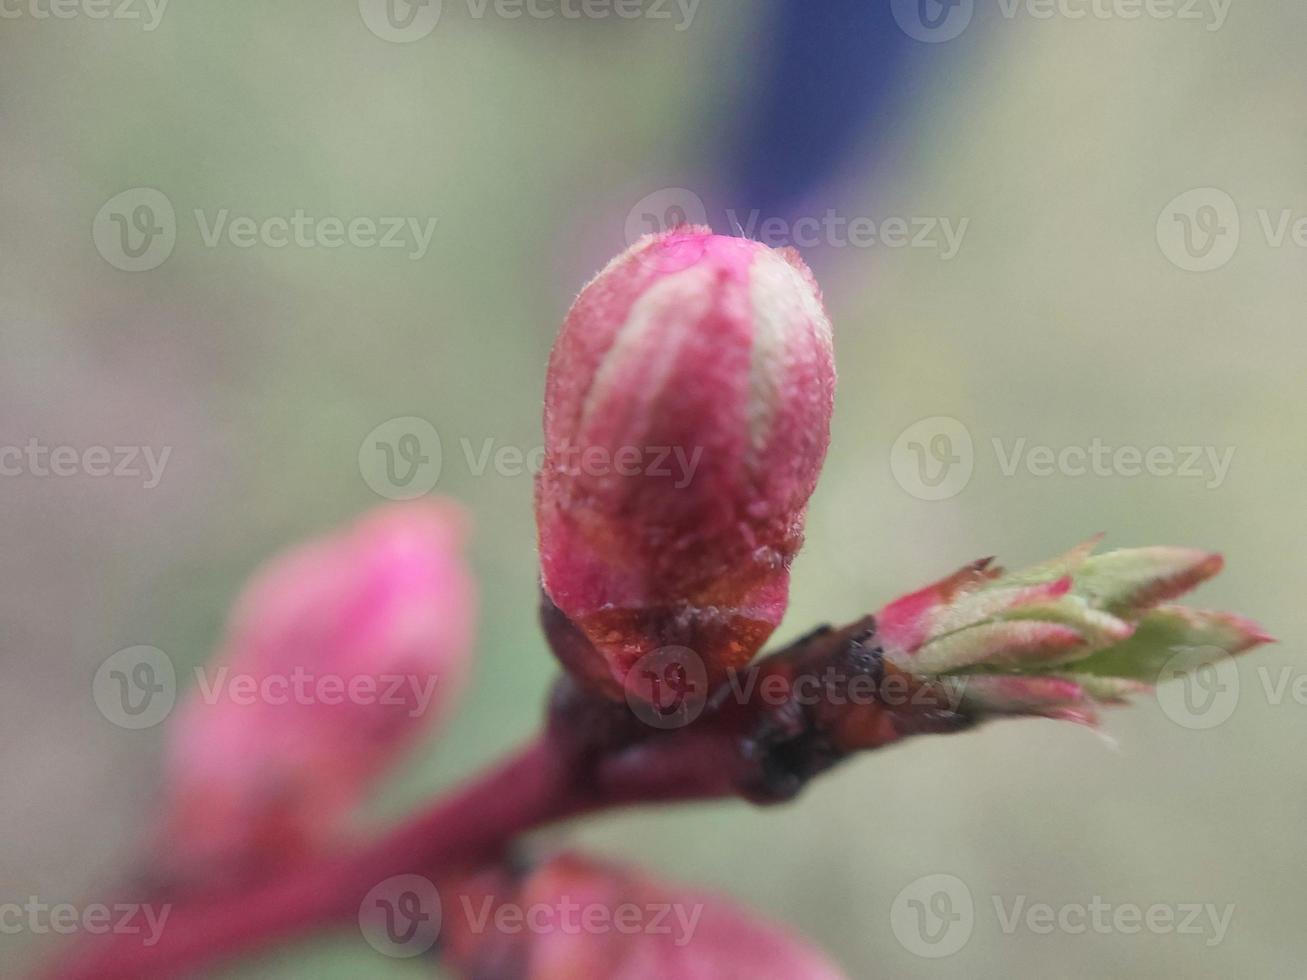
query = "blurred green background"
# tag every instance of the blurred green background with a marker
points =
(1059, 321)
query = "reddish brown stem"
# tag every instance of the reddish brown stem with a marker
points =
(595, 754)
(472, 826)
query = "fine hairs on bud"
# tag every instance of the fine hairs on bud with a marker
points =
(687, 415)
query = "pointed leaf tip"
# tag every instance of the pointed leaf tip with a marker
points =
(1065, 564)
(1167, 630)
(1132, 580)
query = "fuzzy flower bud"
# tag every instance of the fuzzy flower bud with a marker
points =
(339, 655)
(1061, 637)
(687, 414)
(594, 921)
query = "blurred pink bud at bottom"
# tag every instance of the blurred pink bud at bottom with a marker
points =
(574, 918)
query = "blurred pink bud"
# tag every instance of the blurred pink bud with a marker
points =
(593, 921)
(339, 655)
(687, 415)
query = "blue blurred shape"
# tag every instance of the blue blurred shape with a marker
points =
(828, 70)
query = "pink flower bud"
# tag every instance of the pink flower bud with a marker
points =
(593, 921)
(687, 414)
(339, 655)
